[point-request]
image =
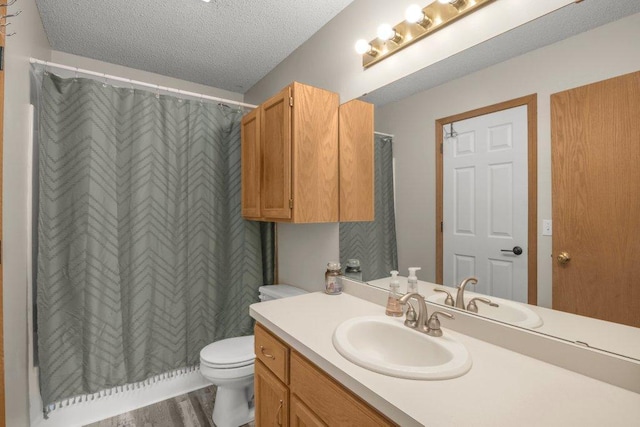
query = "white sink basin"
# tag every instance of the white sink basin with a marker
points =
(384, 345)
(511, 312)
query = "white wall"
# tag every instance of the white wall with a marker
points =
(604, 52)
(143, 76)
(29, 40)
(328, 60)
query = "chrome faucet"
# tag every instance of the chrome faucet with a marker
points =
(460, 294)
(424, 323)
(473, 307)
(421, 322)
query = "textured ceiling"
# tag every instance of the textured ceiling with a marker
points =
(208, 43)
(553, 27)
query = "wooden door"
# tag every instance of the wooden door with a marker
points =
(595, 136)
(271, 397)
(485, 203)
(251, 161)
(275, 137)
(356, 161)
(302, 416)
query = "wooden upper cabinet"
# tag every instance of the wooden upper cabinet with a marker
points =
(356, 162)
(298, 154)
(250, 131)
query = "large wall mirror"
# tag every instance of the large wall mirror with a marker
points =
(417, 114)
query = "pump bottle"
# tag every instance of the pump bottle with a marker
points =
(412, 280)
(394, 308)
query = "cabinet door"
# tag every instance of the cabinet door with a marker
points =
(330, 401)
(356, 162)
(271, 397)
(315, 190)
(302, 416)
(251, 164)
(275, 137)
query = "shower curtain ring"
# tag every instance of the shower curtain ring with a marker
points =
(104, 81)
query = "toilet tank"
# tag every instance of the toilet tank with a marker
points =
(269, 292)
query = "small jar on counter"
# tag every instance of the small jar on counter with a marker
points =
(353, 270)
(332, 283)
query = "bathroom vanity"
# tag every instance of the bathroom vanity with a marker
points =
(301, 379)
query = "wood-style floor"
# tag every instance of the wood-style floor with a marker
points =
(188, 410)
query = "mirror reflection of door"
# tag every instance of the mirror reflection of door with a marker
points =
(595, 138)
(485, 203)
(486, 214)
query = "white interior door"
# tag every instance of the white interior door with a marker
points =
(485, 203)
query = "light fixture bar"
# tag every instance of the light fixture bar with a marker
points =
(436, 16)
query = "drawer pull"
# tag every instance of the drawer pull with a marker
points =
(265, 354)
(279, 413)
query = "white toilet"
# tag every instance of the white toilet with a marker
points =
(228, 364)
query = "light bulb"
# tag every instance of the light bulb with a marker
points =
(385, 32)
(362, 46)
(414, 14)
(444, 1)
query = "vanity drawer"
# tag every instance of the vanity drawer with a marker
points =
(272, 352)
(331, 402)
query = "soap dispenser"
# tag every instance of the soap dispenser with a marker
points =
(393, 304)
(412, 280)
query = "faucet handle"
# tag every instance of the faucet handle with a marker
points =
(411, 320)
(434, 323)
(449, 300)
(472, 307)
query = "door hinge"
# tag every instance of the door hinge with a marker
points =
(441, 226)
(290, 203)
(441, 148)
(291, 101)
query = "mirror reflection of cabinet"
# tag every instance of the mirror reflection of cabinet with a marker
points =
(290, 157)
(298, 167)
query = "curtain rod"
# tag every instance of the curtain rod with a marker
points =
(139, 83)
(383, 134)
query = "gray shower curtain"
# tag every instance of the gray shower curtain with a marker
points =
(143, 257)
(374, 243)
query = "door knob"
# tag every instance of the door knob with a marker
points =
(563, 258)
(517, 250)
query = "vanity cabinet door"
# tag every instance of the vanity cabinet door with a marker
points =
(271, 398)
(330, 401)
(302, 416)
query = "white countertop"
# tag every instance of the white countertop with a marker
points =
(503, 388)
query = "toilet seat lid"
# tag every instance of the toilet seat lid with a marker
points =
(230, 352)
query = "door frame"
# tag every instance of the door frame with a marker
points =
(531, 101)
(3, 11)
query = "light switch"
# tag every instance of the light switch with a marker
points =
(546, 227)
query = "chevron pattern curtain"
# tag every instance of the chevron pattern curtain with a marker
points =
(143, 257)
(374, 243)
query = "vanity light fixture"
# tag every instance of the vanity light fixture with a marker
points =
(415, 15)
(458, 4)
(363, 46)
(385, 32)
(419, 23)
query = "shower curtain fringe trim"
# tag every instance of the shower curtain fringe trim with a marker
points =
(83, 398)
